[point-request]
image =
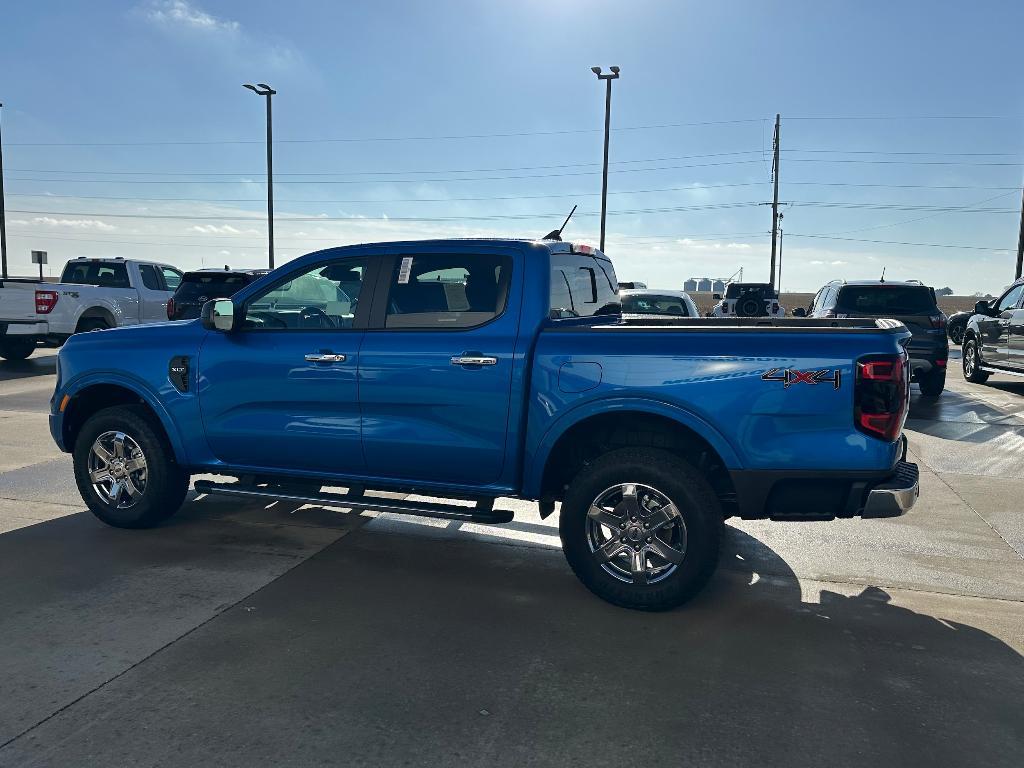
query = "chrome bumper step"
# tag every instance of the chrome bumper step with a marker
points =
(896, 495)
(483, 512)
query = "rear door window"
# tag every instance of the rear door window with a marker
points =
(447, 291)
(150, 277)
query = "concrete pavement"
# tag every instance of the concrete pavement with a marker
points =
(265, 634)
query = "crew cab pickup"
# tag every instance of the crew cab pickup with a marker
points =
(471, 370)
(92, 294)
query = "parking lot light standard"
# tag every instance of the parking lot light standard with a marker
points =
(613, 75)
(262, 89)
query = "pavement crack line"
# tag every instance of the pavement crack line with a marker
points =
(168, 644)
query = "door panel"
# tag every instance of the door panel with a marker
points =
(153, 296)
(282, 391)
(425, 415)
(995, 331)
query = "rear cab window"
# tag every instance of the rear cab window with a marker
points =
(109, 274)
(582, 286)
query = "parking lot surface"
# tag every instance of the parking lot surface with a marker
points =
(246, 634)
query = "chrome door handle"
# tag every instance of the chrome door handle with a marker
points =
(474, 360)
(324, 357)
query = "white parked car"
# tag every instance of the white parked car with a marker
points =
(92, 294)
(748, 300)
(652, 301)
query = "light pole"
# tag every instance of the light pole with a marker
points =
(3, 216)
(613, 75)
(262, 89)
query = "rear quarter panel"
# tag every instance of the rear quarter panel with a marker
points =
(712, 382)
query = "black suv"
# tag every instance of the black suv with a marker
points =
(994, 337)
(912, 303)
(198, 287)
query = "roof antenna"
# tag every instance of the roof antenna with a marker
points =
(556, 234)
(882, 278)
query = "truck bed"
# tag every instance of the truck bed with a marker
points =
(721, 324)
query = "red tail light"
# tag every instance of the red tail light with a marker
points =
(170, 309)
(882, 395)
(45, 302)
(938, 321)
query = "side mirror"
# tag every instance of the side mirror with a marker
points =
(716, 296)
(218, 315)
(799, 312)
(983, 308)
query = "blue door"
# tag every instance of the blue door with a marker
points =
(436, 368)
(281, 392)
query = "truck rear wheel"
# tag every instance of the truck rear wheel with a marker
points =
(17, 349)
(641, 528)
(125, 469)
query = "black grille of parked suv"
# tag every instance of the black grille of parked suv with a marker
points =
(882, 395)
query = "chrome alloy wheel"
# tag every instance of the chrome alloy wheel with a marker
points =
(117, 469)
(636, 533)
(970, 358)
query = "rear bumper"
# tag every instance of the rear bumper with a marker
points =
(24, 328)
(785, 495)
(925, 357)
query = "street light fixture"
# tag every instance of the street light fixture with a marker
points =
(613, 75)
(262, 89)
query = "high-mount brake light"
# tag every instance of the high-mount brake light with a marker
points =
(582, 248)
(46, 301)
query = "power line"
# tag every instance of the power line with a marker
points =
(371, 139)
(699, 188)
(899, 242)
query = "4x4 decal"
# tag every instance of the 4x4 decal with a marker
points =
(790, 376)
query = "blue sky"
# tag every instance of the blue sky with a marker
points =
(127, 132)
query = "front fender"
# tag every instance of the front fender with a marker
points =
(534, 474)
(140, 388)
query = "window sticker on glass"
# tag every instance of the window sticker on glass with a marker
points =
(404, 270)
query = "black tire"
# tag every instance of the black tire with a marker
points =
(165, 482)
(751, 304)
(971, 361)
(956, 333)
(668, 475)
(932, 383)
(17, 349)
(87, 324)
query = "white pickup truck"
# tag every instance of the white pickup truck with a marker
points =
(92, 294)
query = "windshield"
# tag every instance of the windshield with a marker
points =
(212, 286)
(883, 299)
(651, 304)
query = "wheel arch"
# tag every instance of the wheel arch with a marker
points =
(95, 311)
(88, 397)
(573, 442)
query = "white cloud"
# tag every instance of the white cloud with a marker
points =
(223, 229)
(96, 224)
(182, 14)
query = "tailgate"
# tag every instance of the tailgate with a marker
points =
(17, 301)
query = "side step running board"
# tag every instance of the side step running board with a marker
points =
(482, 513)
(989, 369)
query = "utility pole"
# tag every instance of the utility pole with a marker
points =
(262, 89)
(613, 75)
(775, 199)
(3, 215)
(1020, 238)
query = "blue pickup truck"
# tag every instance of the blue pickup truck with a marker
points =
(470, 370)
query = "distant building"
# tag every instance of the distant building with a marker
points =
(718, 286)
(690, 285)
(704, 284)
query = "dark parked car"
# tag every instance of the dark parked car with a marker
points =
(956, 325)
(994, 338)
(912, 303)
(198, 287)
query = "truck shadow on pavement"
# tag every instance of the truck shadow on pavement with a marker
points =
(391, 647)
(11, 370)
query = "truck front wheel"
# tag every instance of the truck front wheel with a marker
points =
(125, 469)
(641, 527)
